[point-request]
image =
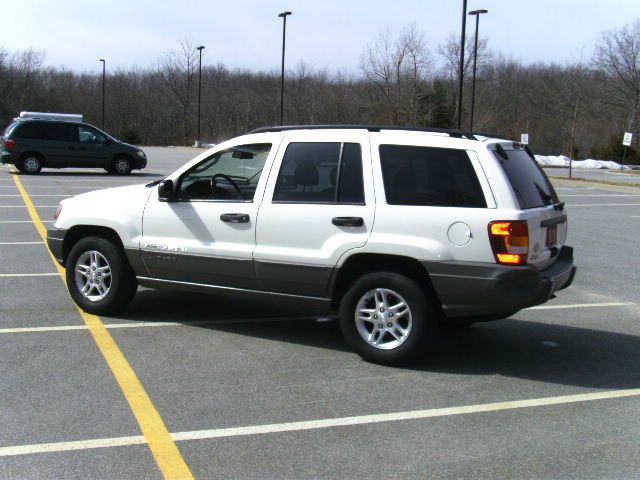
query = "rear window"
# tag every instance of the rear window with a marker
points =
(428, 176)
(530, 184)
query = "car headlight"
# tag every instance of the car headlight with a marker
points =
(58, 212)
(141, 153)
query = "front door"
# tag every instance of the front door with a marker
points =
(206, 234)
(90, 149)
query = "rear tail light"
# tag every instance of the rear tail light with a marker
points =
(510, 241)
(9, 143)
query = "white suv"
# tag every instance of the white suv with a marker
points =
(399, 230)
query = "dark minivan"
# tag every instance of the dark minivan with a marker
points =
(33, 143)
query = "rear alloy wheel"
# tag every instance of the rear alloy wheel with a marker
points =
(30, 164)
(388, 318)
(122, 166)
(99, 278)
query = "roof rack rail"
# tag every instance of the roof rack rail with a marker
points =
(370, 128)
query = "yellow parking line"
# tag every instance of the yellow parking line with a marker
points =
(162, 445)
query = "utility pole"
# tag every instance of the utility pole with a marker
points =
(462, 37)
(284, 16)
(200, 48)
(477, 14)
(104, 69)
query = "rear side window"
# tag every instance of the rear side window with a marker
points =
(321, 172)
(429, 176)
(530, 184)
(63, 132)
(28, 130)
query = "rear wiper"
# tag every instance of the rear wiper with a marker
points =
(154, 183)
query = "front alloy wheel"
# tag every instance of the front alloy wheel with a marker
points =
(93, 275)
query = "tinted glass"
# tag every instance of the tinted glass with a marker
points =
(320, 172)
(441, 177)
(28, 130)
(229, 175)
(62, 132)
(529, 182)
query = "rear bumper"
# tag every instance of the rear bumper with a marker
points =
(55, 240)
(469, 289)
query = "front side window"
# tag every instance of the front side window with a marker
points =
(428, 176)
(321, 172)
(228, 175)
(90, 135)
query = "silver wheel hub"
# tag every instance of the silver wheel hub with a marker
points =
(383, 318)
(31, 164)
(93, 275)
(122, 166)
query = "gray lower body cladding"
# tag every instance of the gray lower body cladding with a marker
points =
(469, 289)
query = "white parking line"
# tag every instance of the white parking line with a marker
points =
(21, 243)
(601, 195)
(581, 305)
(195, 323)
(321, 423)
(604, 205)
(44, 195)
(24, 206)
(10, 275)
(24, 221)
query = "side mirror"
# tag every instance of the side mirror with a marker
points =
(165, 190)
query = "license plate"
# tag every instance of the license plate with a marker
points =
(552, 236)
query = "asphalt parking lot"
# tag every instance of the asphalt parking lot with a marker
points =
(263, 390)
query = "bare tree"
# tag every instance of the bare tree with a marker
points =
(398, 68)
(617, 55)
(178, 69)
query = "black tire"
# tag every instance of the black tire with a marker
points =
(122, 285)
(31, 163)
(424, 315)
(121, 165)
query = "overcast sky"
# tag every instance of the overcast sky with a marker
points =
(324, 33)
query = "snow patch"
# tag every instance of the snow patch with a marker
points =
(562, 161)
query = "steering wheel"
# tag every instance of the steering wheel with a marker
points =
(228, 179)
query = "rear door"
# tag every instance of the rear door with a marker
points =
(546, 219)
(318, 205)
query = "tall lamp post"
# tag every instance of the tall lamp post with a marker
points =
(200, 48)
(104, 66)
(460, 80)
(477, 14)
(284, 16)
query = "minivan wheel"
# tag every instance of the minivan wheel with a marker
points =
(387, 318)
(99, 278)
(30, 163)
(122, 166)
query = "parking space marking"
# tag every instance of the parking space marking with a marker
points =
(195, 323)
(21, 243)
(24, 206)
(323, 423)
(601, 195)
(582, 305)
(44, 195)
(162, 446)
(24, 221)
(604, 205)
(9, 275)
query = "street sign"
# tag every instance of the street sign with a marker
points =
(524, 139)
(626, 140)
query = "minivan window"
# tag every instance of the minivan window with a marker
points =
(321, 172)
(62, 132)
(429, 176)
(90, 135)
(529, 182)
(28, 130)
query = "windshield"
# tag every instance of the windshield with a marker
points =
(530, 184)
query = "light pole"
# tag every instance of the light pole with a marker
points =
(462, 36)
(104, 69)
(284, 16)
(477, 14)
(200, 48)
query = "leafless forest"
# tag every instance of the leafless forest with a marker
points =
(580, 108)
